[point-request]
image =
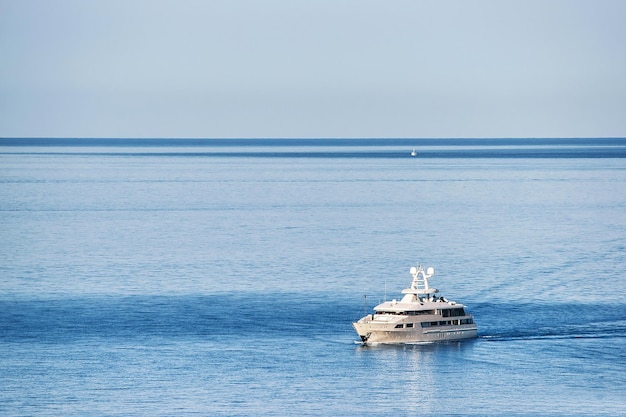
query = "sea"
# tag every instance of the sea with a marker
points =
(220, 277)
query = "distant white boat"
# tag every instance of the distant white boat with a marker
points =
(413, 152)
(420, 317)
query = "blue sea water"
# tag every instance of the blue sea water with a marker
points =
(221, 278)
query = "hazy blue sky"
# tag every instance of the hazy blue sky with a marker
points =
(314, 68)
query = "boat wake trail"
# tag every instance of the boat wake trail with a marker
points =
(614, 330)
(506, 338)
(543, 321)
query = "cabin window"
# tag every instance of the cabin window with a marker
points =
(420, 312)
(399, 326)
(409, 325)
(453, 312)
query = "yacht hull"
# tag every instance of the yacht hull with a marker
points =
(375, 333)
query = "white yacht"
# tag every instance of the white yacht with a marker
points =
(420, 317)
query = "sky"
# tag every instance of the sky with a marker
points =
(312, 68)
